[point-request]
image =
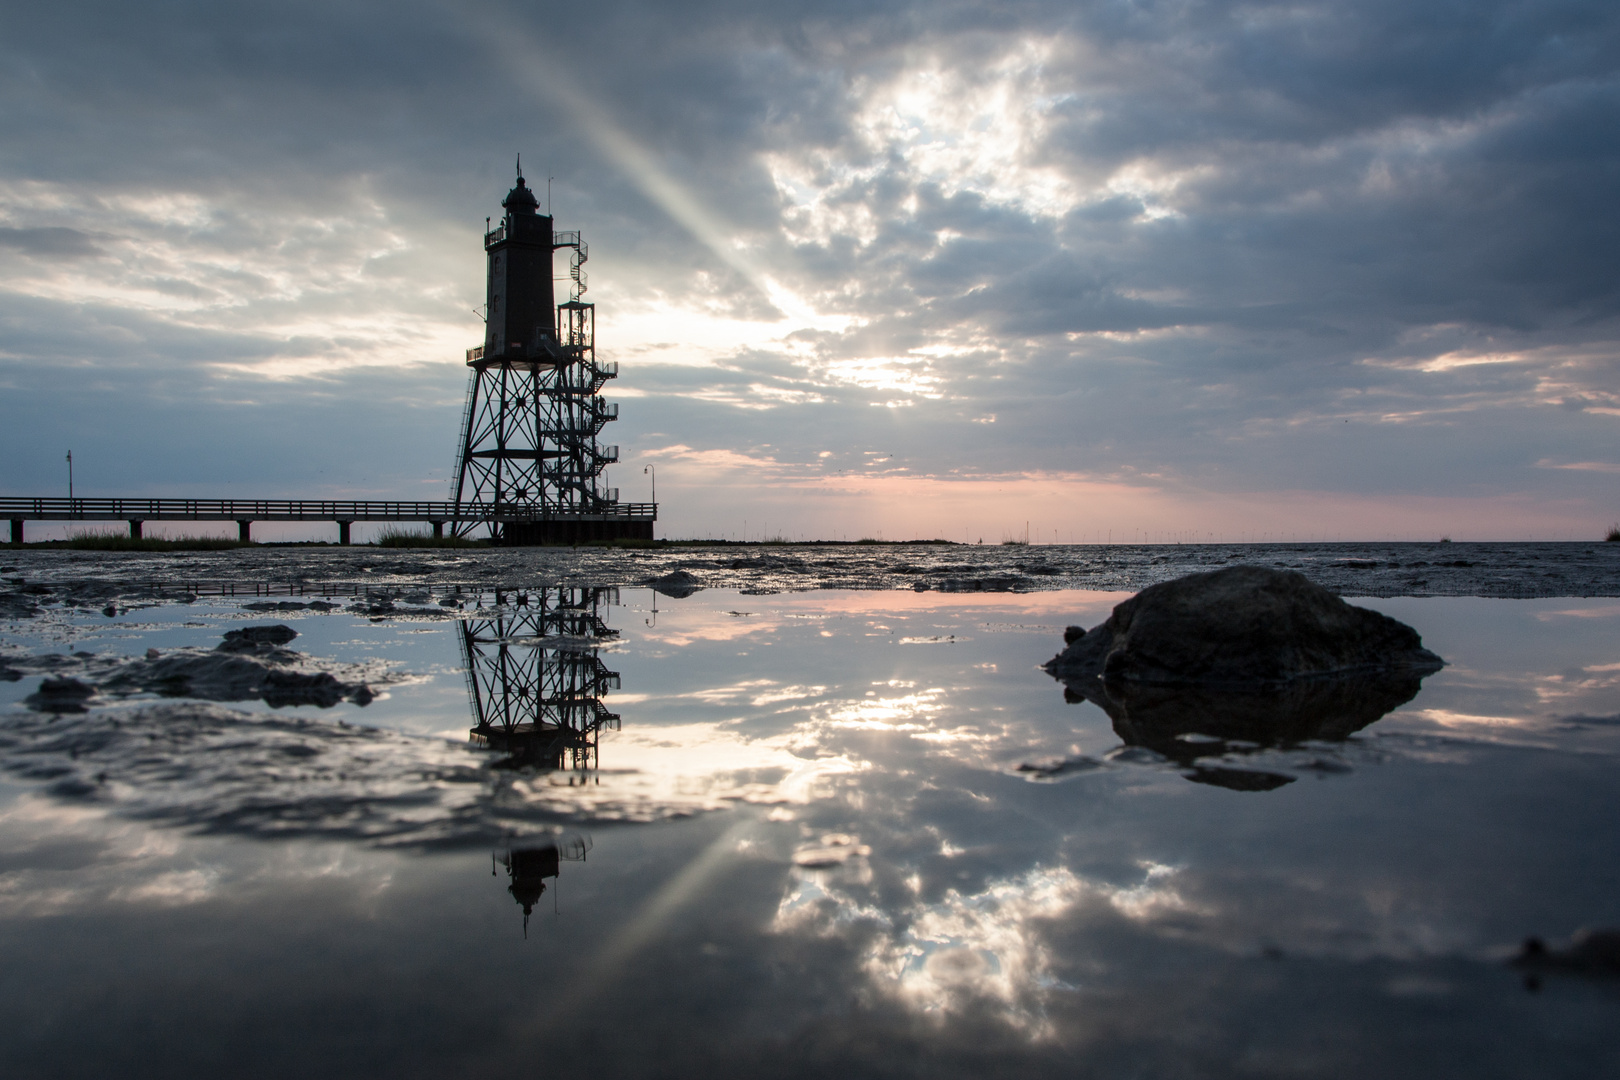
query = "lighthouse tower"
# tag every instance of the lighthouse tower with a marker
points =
(531, 466)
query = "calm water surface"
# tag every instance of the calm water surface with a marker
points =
(829, 833)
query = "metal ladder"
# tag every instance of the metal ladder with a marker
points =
(461, 435)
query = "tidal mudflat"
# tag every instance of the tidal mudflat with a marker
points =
(829, 818)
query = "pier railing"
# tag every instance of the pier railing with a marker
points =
(19, 508)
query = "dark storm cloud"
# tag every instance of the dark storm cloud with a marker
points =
(1358, 247)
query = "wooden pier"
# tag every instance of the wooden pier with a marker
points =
(519, 523)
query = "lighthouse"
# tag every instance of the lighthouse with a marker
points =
(520, 313)
(532, 466)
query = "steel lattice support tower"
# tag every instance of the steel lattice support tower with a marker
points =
(534, 677)
(530, 468)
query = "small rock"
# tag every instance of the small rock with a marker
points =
(252, 637)
(677, 584)
(1590, 952)
(1053, 770)
(60, 695)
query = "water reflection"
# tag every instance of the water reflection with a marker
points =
(528, 869)
(1198, 727)
(535, 678)
(833, 781)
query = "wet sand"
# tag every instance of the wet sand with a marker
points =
(1508, 570)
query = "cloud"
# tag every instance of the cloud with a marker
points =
(56, 241)
(1361, 250)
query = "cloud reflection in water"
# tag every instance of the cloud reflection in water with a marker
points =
(881, 848)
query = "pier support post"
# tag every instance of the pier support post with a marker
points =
(438, 529)
(135, 528)
(16, 530)
(244, 531)
(343, 532)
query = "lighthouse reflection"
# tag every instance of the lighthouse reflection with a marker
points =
(529, 868)
(536, 685)
(535, 678)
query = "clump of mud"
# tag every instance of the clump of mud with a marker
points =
(251, 664)
(217, 770)
(207, 768)
(61, 694)
(278, 677)
(253, 637)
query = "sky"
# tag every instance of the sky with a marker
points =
(1076, 271)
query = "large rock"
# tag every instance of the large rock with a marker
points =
(1243, 627)
(1208, 668)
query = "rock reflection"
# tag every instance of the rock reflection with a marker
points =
(528, 869)
(1203, 729)
(535, 678)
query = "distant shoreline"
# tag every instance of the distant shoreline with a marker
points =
(120, 542)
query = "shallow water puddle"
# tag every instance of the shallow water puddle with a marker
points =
(803, 833)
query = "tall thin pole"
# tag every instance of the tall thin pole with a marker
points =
(650, 471)
(70, 475)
